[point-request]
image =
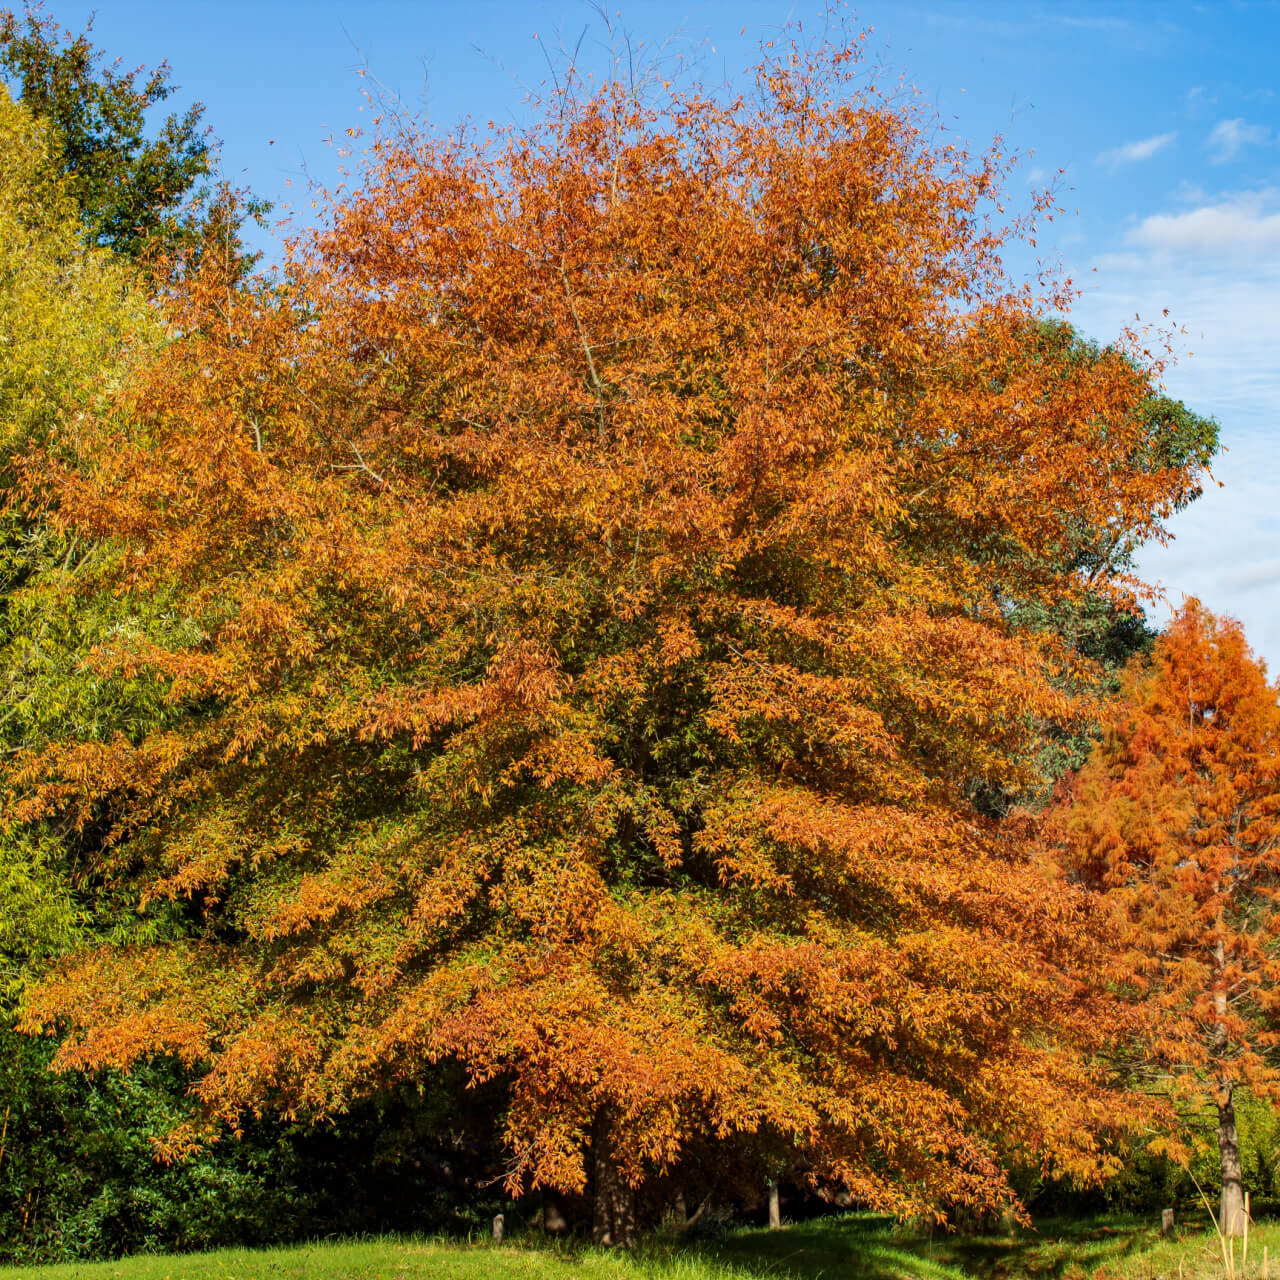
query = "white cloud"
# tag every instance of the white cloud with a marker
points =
(1132, 152)
(1198, 96)
(1230, 137)
(1093, 24)
(1266, 573)
(1224, 544)
(1217, 269)
(1247, 223)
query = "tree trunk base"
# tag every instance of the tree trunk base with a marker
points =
(1231, 1216)
(613, 1222)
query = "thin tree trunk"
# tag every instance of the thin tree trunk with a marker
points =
(680, 1208)
(775, 1206)
(1231, 1208)
(614, 1202)
(553, 1219)
(1231, 1216)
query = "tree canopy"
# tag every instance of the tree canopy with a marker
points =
(70, 320)
(594, 560)
(1175, 821)
(136, 190)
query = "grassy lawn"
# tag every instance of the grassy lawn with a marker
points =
(871, 1248)
(854, 1247)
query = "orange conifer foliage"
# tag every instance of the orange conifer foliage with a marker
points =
(601, 541)
(1176, 819)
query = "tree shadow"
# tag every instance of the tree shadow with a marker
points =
(873, 1247)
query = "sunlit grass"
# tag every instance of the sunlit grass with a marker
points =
(853, 1247)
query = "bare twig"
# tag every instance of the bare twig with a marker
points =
(596, 385)
(359, 465)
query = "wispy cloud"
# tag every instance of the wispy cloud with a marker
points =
(1224, 545)
(1246, 223)
(1230, 137)
(1198, 97)
(1132, 152)
(1092, 24)
(1215, 264)
(1266, 573)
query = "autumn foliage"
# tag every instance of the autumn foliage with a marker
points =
(1175, 822)
(600, 546)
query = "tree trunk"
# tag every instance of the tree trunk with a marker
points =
(553, 1219)
(680, 1208)
(1231, 1210)
(1231, 1216)
(614, 1202)
(775, 1206)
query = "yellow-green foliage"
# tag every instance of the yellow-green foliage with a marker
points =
(1258, 1124)
(38, 916)
(69, 314)
(70, 317)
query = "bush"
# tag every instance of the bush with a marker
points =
(79, 1177)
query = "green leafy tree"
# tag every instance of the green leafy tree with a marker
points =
(134, 186)
(70, 320)
(1099, 630)
(77, 1173)
(68, 314)
(78, 1170)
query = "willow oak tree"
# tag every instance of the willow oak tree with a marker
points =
(1176, 821)
(595, 655)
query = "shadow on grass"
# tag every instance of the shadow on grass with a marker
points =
(872, 1247)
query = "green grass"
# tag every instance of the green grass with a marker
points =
(853, 1247)
(872, 1248)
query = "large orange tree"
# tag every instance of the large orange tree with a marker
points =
(599, 549)
(1175, 820)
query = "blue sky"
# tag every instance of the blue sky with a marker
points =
(1163, 117)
